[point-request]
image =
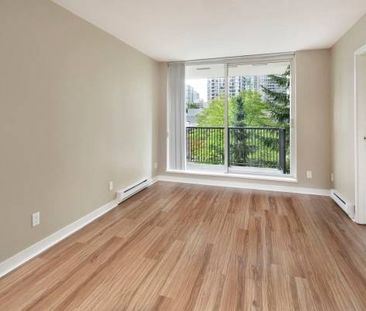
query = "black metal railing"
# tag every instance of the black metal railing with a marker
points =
(263, 147)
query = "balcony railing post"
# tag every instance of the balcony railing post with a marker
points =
(228, 147)
(282, 150)
(188, 145)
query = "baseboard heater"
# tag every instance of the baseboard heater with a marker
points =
(125, 193)
(346, 206)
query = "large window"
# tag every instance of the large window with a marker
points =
(238, 117)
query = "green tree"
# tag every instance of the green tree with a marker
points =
(239, 150)
(213, 115)
(208, 146)
(245, 109)
(255, 110)
(192, 105)
(279, 100)
(279, 106)
(248, 109)
(251, 108)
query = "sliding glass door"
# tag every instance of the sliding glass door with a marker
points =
(238, 117)
(205, 117)
(259, 118)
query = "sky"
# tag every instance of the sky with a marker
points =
(200, 86)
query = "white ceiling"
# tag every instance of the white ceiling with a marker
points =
(195, 29)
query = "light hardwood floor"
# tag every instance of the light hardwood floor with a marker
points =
(186, 247)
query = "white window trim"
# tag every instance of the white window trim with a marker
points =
(281, 178)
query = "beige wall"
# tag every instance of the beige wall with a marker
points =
(313, 117)
(313, 122)
(342, 55)
(79, 108)
(76, 111)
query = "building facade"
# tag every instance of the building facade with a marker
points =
(237, 84)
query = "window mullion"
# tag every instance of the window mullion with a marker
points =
(226, 120)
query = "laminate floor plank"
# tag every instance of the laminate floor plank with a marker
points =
(190, 247)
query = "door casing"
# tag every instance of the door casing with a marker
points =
(359, 138)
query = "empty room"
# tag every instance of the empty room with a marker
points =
(182, 155)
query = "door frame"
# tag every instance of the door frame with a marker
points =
(359, 217)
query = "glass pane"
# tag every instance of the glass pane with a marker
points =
(204, 99)
(259, 118)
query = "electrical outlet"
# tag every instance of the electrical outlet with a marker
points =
(36, 219)
(156, 165)
(111, 186)
(332, 177)
(309, 174)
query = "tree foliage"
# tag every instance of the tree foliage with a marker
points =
(192, 105)
(245, 109)
(279, 105)
(279, 101)
(213, 115)
(248, 109)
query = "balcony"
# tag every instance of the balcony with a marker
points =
(259, 149)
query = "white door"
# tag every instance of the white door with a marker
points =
(360, 134)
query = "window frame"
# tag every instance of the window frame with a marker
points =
(255, 59)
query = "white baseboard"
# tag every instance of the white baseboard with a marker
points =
(20, 258)
(124, 194)
(243, 185)
(347, 206)
(25, 255)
